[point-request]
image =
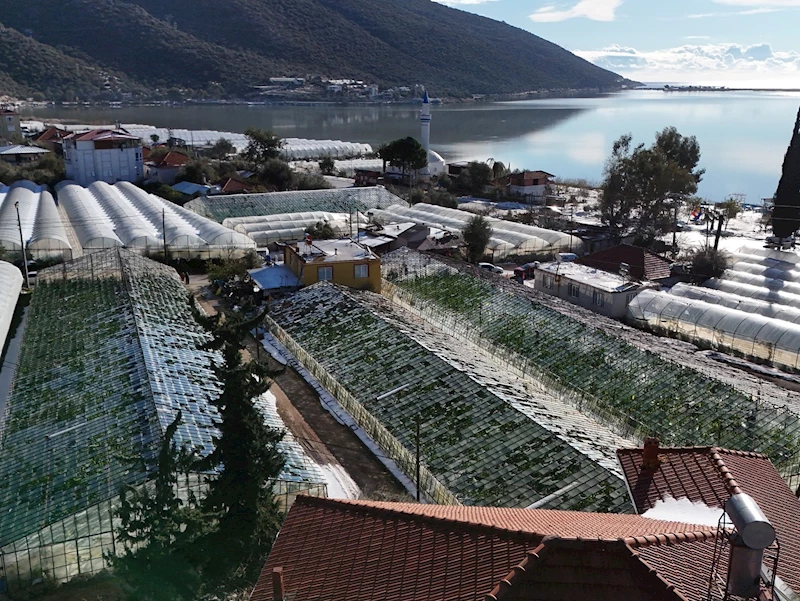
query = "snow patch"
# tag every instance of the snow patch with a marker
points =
(683, 510)
(340, 484)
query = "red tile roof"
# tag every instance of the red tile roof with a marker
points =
(359, 550)
(711, 475)
(231, 186)
(52, 133)
(101, 134)
(173, 159)
(644, 265)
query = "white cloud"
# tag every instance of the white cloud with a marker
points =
(706, 63)
(596, 10)
(760, 3)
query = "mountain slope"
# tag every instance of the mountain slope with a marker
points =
(224, 47)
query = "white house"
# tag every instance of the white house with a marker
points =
(9, 122)
(529, 183)
(606, 293)
(103, 155)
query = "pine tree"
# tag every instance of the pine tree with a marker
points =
(158, 530)
(786, 213)
(241, 497)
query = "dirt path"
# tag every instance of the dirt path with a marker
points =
(325, 440)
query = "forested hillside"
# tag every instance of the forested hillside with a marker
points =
(214, 48)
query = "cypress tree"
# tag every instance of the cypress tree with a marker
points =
(786, 214)
(245, 452)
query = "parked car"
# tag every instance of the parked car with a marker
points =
(491, 267)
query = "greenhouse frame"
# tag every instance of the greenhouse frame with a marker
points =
(347, 200)
(108, 216)
(109, 354)
(269, 229)
(10, 288)
(477, 446)
(785, 311)
(637, 392)
(508, 239)
(42, 229)
(750, 335)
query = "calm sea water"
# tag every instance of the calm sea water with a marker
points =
(743, 135)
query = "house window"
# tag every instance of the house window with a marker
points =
(324, 274)
(598, 299)
(547, 281)
(362, 271)
(573, 290)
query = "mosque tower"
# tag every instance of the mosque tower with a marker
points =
(425, 122)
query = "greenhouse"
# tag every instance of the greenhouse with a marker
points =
(776, 271)
(10, 288)
(761, 281)
(778, 310)
(49, 238)
(345, 200)
(268, 229)
(476, 446)
(508, 239)
(105, 216)
(109, 354)
(637, 392)
(753, 291)
(742, 333)
(294, 149)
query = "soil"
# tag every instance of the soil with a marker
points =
(326, 440)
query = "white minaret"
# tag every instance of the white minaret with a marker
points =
(425, 122)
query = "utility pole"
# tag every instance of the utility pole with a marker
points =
(22, 246)
(164, 234)
(418, 465)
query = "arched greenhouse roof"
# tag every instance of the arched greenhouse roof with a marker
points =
(49, 235)
(734, 301)
(10, 288)
(752, 335)
(92, 226)
(213, 233)
(174, 230)
(753, 291)
(762, 281)
(25, 196)
(129, 224)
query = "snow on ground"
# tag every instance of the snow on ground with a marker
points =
(340, 484)
(683, 510)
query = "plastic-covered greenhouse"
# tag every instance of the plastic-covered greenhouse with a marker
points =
(626, 387)
(105, 216)
(42, 228)
(746, 334)
(776, 309)
(508, 238)
(109, 354)
(754, 291)
(761, 281)
(49, 237)
(267, 229)
(293, 149)
(477, 447)
(10, 288)
(346, 200)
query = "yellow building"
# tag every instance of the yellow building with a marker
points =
(342, 262)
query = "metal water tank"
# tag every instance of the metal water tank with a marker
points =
(744, 571)
(753, 527)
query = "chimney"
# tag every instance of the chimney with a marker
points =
(651, 460)
(754, 533)
(277, 584)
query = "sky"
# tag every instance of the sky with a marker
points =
(735, 43)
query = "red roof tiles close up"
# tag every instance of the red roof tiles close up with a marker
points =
(711, 475)
(644, 265)
(361, 550)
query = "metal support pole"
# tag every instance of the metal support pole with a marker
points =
(164, 234)
(418, 465)
(720, 220)
(22, 246)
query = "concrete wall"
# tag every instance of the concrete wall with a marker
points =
(610, 304)
(86, 164)
(344, 272)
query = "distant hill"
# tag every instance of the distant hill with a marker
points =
(223, 47)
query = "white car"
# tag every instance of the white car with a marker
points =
(491, 267)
